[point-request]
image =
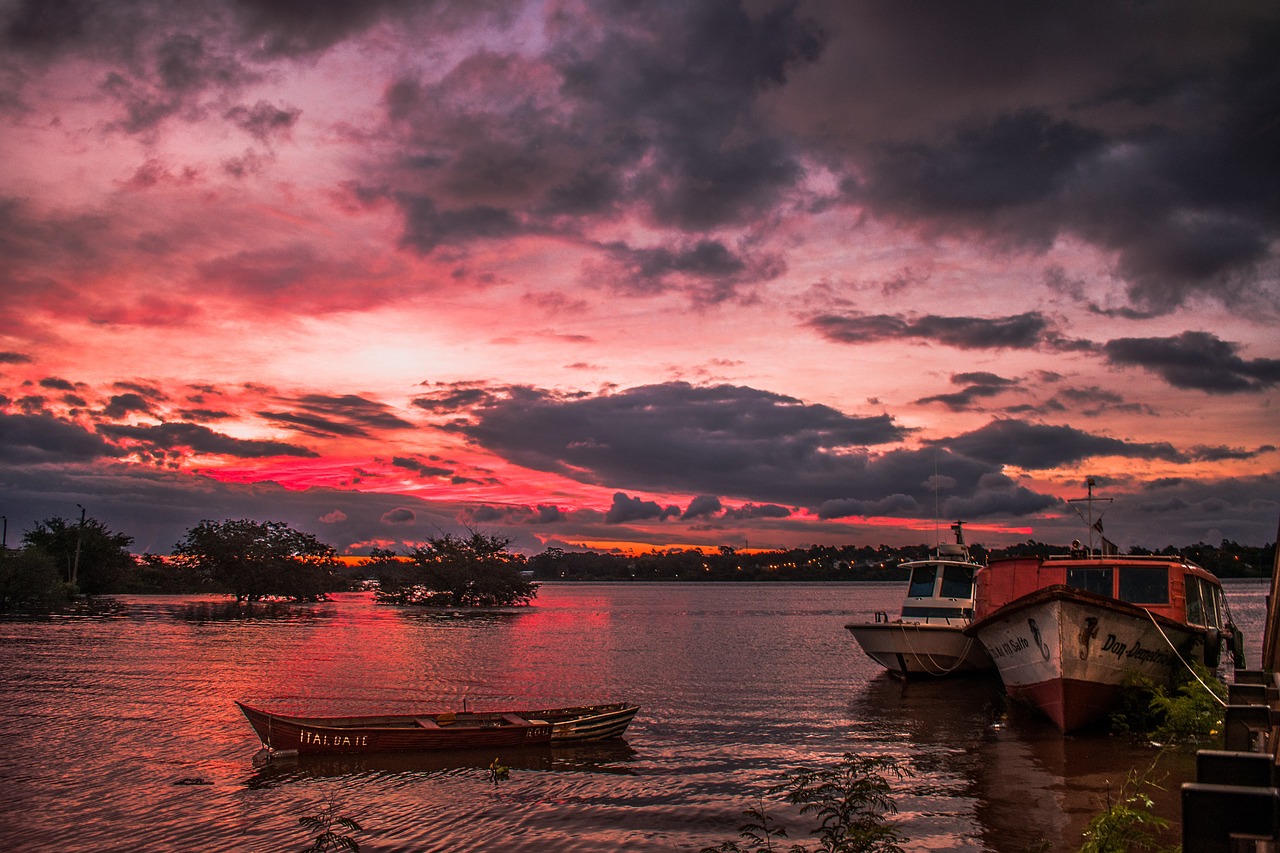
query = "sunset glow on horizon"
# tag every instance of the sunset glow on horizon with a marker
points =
(640, 276)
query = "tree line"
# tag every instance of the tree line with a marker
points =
(60, 560)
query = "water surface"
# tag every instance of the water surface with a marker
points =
(121, 733)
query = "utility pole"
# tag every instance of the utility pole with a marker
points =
(4, 537)
(75, 567)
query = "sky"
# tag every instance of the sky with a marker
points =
(637, 275)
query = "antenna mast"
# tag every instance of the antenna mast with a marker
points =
(1095, 525)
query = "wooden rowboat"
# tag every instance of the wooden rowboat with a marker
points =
(447, 730)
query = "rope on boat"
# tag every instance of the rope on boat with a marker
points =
(941, 670)
(1194, 674)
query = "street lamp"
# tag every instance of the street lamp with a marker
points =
(75, 567)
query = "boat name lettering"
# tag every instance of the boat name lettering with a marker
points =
(537, 731)
(1138, 653)
(1009, 647)
(318, 739)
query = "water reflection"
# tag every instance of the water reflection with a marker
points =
(1022, 781)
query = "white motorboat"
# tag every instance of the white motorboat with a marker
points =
(928, 638)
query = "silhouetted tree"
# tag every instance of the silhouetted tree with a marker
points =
(104, 559)
(455, 571)
(253, 560)
(29, 581)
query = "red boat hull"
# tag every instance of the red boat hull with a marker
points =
(1068, 652)
(409, 732)
(313, 736)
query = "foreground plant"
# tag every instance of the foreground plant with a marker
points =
(852, 802)
(327, 838)
(1189, 711)
(1127, 822)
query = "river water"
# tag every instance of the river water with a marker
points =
(120, 732)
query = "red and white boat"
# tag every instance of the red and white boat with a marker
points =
(928, 638)
(1065, 632)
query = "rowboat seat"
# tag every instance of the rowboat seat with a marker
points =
(426, 723)
(514, 720)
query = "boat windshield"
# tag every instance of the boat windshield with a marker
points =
(1204, 603)
(1195, 607)
(1096, 580)
(1144, 584)
(957, 582)
(922, 580)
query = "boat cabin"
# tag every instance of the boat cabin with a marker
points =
(941, 588)
(1167, 586)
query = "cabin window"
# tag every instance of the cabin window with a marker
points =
(1147, 585)
(957, 582)
(1091, 580)
(1195, 607)
(1209, 594)
(922, 579)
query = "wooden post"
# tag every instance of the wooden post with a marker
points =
(1271, 633)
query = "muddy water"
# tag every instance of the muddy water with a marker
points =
(120, 733)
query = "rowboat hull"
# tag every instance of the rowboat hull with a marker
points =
(912, 649)
(1067, 651)
(416, 732)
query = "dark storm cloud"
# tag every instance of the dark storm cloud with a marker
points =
(455, 397)
(752, 511)
(14, 358)
(626, 508)
(39, 248)
(1040, 446)
(41, 439)
(264, 121)
(171, 82)
(739, 442)
(702, 505)
(1243, 509)
(985, 170)
(653, 114)
(515, 515)
(399, 515)
(1021, 331)
(349, 415)
(1154, 143)
(1217, 454)
(426, 226)
(121, 405)
(669, 437)
(151, 392)
(420, 468)
(977, 386)
(200, 439)
(707, 268)
(671, 87)
(1196, 360)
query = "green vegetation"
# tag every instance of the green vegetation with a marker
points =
(836, 563)
(253, 560)
(1182, 712)
(852, 802)
(454, 571)
(327, 838)
(1126, 822)
(29, 582)
(91, 558)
